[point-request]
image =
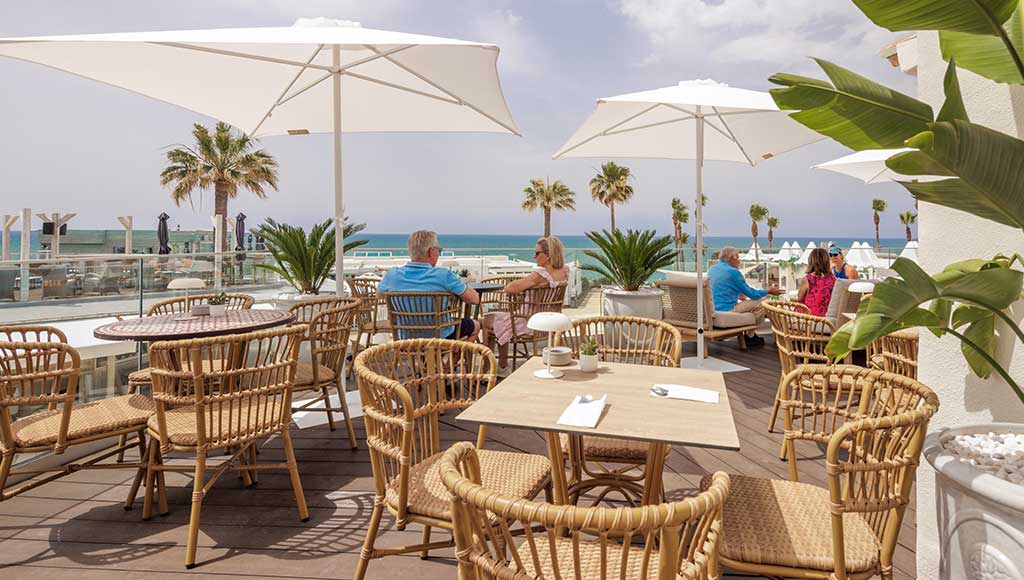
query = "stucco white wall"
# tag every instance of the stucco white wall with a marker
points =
(946, 236)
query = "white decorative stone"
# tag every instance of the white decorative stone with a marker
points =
(1001, 454)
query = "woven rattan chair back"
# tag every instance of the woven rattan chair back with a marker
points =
(32, 333)
(405, 385)
(185, 303)
(329, 331)
(800, 337)
(679, 304)
(895, 353)
(240, 385)
(35, 374)
(874, 424)
(422, 314)
(497, 301)
(674, 540)
(306, 310)
(365, 289)
(627, 339)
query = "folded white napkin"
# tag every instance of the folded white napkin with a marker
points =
(687, 393)
(584, 411)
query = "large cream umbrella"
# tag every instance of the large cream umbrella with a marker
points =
(697, 119)
(318, 76)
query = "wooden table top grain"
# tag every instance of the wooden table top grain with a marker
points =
(527, 402)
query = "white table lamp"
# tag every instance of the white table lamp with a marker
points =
(549, 322)
(186, 284)
(861, 287)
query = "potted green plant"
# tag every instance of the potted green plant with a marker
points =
(303, 260)
(978, 468)
(218, 304)
(629, 260)
(588, 355)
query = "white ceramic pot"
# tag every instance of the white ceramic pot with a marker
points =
(588, 363)
(645, 302)
(286, 300)
(981, 517)
(559, 356)
(218, 309)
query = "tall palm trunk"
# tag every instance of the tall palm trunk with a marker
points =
(753, 234)
(220, 207)
(771, 238)
(678, 231)
(909, 236)
(611, 206)
(547, 222)
(878, 239)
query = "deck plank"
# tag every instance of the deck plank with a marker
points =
(77, 525)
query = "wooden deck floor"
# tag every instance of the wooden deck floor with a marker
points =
(76, 527)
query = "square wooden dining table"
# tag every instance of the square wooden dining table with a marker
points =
(524, 401)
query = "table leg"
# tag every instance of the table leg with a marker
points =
(111, 376)
(656, 454)
(558, 483)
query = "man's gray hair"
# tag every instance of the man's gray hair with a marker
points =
(727, 253)
(420, 243)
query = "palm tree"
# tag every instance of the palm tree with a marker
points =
(680, 216)
(908, 218)
(877, 205)
(611, 186)
(758, 213)
(548, 196)
(772, 222)
(225, 161)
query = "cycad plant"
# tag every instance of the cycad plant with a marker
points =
(877, 207)
(304, 260)
(222, 160)
(772, 222)
(908, 218)
(758, 213)
(612, 186)
(629, 259)
(548, 196)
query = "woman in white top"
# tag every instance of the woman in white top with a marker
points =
(551, 272)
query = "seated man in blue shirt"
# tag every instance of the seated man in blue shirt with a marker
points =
(731, 291)
(422, 275)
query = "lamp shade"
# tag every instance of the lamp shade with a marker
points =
(186, 284)
(549, 322)
(861, 287)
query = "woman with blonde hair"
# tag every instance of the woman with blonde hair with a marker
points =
(550, 271)
(816, 287)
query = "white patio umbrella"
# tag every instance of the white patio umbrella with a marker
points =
(318, 76)
(698, 119)
(869, 166)
(784, 252)
(806, 255)
(910, 251)
(753, 253)
(861, 255)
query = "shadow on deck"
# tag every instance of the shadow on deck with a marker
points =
(77, 526)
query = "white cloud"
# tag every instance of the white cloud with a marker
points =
(505, 29)
(781, 32)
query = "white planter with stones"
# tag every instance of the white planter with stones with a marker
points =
(286, 300)
(981, 516)
(645, 302)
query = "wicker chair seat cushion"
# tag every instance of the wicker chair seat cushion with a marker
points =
(146, 376)
(733, 319)
(304, 375)
(512, 474)
(787, 523)
(375, 327)
(86, 420)
(606, 447)
(590, 561)
(228, 423)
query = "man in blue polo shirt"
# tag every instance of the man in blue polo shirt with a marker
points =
(421, 274)
(728, 286)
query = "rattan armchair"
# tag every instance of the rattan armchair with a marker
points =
(668, 541)
(414, 315)
(225, 392)
(873, 424)
(895, 352)
(39, 368)
(617, 464)
(497, 301)
(372, 316)
(524, 305)
(800, 338)
(330, 324)
(405, 386)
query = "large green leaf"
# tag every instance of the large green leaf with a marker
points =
(953, 108)
(976, 16)
(853, 110)
(982, 336)
(990, 166)
(988, 55)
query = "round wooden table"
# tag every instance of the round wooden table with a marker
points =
(181, 326)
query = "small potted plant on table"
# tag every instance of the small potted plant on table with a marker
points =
(218, 304)
(588, 355)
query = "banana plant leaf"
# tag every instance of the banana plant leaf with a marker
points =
(989, 164)
(973, 16)
(852, 109)
(988, 55)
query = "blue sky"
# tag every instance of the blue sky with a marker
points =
(68, 144)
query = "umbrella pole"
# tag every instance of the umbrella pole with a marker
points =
(700, 238)
(339, 211)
